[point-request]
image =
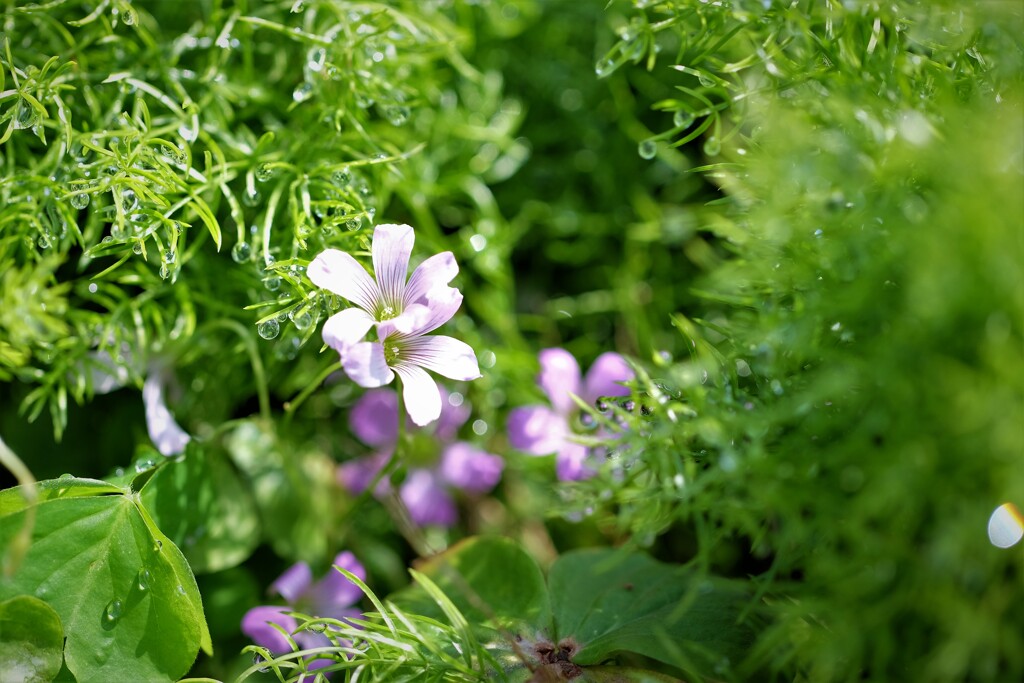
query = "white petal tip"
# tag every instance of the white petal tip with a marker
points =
(1006, 526)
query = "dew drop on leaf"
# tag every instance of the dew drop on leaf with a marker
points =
(647, 149)
(264, 173)
(682, 119)
(268, 329)
(112, 613)
(241, 252)
(142, 580)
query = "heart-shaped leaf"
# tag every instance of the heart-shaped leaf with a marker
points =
(123, 591)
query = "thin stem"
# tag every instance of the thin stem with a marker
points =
(291, 406)
(396, 506)
(260, 376)
(20, 544)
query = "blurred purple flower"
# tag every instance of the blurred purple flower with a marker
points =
(403, 312)
(426, 489)
(331, 597)
(541, 430)
(166, 434)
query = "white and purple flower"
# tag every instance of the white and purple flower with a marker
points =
(438, 463)
(403, 313)
(331, 597)
(542, 430)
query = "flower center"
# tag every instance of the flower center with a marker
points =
(391, 352)
(387, 313)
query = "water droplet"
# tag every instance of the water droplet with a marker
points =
(298, 6)
(251, 198)
(712, 147)
(354, 224)
(158, 545)
(683, 119)
(316, 58)
(342, 177)
(706, 80)
(143, 465)
(587, 420)
(112, 613)
(272, 283)
(647, 149)
(258, 659)
(181, 590)
(317, 627)
(1006, 526)
(137, 248)
(79, 201)
(604, 67)
(142, 580)
(43, 241)
(263, 173)
(268, 329)
(241, 252)
(170, 256)
(303, 92)
(129, 201)
(165, 271)
(301, 319)
(397, 115)
(25, 116)
(128, 16)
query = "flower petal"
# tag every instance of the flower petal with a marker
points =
(470, 468)
(426, 499)
(295, 581)
(419, 393)
(444, 355)
(345, 328)
(427, 315)
(168, 437)
(559, 377)
(364, 363)
(374, 418)
(392, 246)
(355, 475)
(335, 591)
(538, 430)
(256, 625)
(434, 273)
(605, 376)
(338, 272)
(309, 640)
(573, 463)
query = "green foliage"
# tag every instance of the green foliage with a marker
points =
(597, 603)
(123, 591)
(31, 640)
(203, 507)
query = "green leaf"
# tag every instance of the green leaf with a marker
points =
(202, 505)
(13, 499)
(125, 594)
(490, 580)
(609, 601)
(31, 640)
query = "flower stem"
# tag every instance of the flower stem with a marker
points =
(19, 545)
